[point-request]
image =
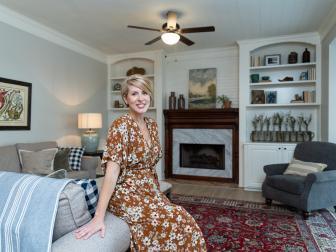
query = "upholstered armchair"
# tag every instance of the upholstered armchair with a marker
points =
(307, 193)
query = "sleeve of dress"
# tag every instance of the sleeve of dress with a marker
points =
(115, 149)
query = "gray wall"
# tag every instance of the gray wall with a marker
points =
(325, 82)
(63, 84)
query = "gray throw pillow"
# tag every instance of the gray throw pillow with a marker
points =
(59, 174)
(37, 162)
(72, 211)
(62, 160)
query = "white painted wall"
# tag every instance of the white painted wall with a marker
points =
(328, 115)
(177, 66)
(63, 84)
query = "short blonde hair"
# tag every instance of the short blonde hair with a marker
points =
(138, 81)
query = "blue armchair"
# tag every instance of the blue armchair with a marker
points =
(313, 192)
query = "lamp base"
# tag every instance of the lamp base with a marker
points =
(90, 141)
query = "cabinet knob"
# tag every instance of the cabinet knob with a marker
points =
(285, 148)
(279, 148)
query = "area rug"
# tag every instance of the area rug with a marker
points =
(230, 225)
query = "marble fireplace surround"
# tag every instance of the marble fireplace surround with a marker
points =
(206, 126)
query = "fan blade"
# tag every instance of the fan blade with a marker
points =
(142, 28)
(198, 29)
(153, 40)
(186, 41)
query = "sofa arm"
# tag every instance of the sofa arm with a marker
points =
(275, 169)
(90, 164)
(321, 177)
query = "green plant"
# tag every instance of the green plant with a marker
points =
(223, 98)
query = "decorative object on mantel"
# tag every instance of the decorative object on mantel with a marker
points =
(279, 134)
(202, 88)
(136, 70)
(15, 104)
(172, 100)
(306, 56)
(181, 102)
(224, 100)
(293, 58)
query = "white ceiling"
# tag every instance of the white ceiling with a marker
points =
(102, 24)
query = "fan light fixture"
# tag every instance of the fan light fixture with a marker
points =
(170, 38)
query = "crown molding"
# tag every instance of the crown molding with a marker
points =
(328, 23)
(26, 24)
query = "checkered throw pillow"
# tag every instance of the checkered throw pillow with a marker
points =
(91, 193)
(75, 157)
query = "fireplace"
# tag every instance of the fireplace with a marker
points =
(202, 144)
(202, 156)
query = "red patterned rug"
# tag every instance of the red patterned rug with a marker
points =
(230, 225)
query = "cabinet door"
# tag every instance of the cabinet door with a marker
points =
(256, 156)
(287, 153)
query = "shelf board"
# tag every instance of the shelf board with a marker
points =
(283, 66)
(283, 105)
(124, 77)
(284, 83)
(124, 109)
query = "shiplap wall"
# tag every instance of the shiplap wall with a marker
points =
(177, 66)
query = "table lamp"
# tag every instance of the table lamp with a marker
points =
(90, 137)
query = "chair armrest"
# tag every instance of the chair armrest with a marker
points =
(275, 169)
(90, 164)
(321, 177)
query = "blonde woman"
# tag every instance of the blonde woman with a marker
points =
(131, 190)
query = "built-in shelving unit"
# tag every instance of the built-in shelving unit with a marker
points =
(280, 91)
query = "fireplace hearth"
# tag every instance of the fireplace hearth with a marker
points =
(202, 144)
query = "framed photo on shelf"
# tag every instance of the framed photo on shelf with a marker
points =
(15, 104)
(257, 97)
(271, 97)
(274, 59)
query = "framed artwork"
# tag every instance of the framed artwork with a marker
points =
(257, 97)
(271, 97)
(15, 104)
(202, 88)
(271, 60)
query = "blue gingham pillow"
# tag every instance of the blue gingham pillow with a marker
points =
(75, 157)
(91, 193)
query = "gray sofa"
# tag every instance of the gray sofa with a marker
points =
(72, 209)
(9, 159)
(313, 192)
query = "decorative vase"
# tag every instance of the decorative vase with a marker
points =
(306, 56)
(172, 100)
(292, 58)
(181, 102)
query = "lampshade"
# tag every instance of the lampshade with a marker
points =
(170, 38)
(89, 120)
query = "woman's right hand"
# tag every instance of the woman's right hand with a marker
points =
(89, 229)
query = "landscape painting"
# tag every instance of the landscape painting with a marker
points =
(15, 105)
(202, 88)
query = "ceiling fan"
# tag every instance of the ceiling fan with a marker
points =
(171, 31)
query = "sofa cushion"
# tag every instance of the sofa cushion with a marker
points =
(37, 162)
(9, 159)
(36, 146)
(78, 174)
(72, 211)
(62, 160)
(117, 238)
(301, 168)
(288, 183)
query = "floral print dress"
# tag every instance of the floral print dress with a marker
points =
(155, 223)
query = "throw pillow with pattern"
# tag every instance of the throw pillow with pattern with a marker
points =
(62, 160)
(301, 168)
(75, 157)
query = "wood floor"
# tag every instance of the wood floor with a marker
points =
(213, 189)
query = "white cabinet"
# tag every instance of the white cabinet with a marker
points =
(256, 156)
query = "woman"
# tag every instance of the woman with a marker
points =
(131, 190)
